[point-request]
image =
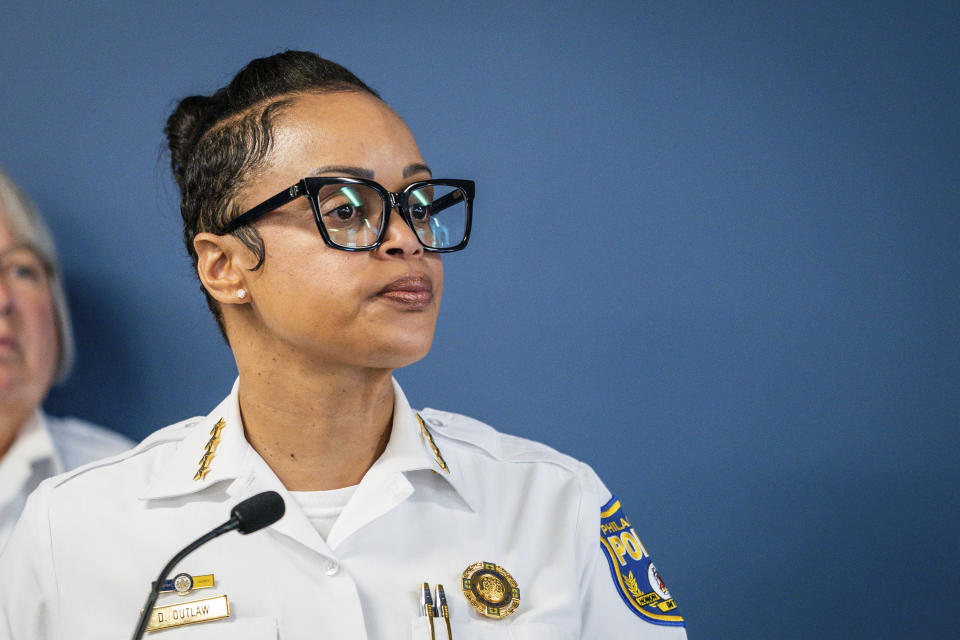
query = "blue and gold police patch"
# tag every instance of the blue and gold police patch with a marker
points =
(634, 575)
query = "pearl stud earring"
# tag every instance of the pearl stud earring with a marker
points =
(241, 293)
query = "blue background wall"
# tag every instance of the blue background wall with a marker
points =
(716, 256)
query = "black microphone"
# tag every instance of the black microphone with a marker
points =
(253, 514)
(257, 512)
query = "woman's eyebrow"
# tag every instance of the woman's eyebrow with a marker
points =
(416, 167)
(360, 172)
(19, 246)
(356, 172)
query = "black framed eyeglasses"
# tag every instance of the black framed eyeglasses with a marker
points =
(352, 214)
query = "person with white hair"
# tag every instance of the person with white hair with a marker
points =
(36, 350)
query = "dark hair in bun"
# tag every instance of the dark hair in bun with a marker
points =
(216, 142)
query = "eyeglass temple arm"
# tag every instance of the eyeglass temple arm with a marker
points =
(448, 200)
(265, 207)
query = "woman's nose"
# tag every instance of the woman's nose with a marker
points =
(400, 239)
(6, 297)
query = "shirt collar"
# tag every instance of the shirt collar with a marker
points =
(409, 449)
(36, 443)
(225, 455)
(32, 447)
(413, 447)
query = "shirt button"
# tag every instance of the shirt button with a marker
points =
(332, 567)
(434, 422)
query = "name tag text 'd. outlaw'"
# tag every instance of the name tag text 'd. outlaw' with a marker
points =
(176, 615)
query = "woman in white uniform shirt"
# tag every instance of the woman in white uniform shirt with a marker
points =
(36, 350)
(317, 231)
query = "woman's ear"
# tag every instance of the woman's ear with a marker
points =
(222, 267)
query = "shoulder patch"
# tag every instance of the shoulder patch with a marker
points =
(634, 576)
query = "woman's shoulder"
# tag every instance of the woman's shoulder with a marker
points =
(119, 462)
(469, 433)
(485, 452)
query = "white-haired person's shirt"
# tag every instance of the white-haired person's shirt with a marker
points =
(44, 447)
(527, 543)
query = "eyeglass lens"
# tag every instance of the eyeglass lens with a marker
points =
(353, 214)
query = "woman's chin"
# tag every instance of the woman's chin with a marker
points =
(399, 355)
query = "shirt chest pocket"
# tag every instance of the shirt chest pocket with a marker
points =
(249, 629)
(487, 630)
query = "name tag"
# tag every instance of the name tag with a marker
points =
(176, 615)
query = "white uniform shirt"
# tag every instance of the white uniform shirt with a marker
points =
(46, 446)
(92, 541)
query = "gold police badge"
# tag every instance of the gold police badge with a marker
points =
(490, 589)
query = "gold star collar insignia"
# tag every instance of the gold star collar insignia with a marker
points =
(210, 450)
(433, 445)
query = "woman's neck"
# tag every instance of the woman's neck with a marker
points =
(319, 428)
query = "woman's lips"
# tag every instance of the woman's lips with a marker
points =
(412, 292)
